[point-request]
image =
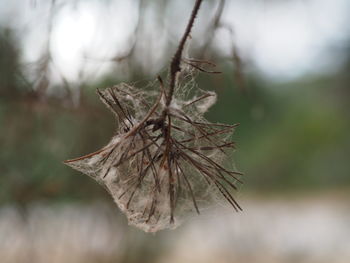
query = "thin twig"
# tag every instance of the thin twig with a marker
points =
(175, 63)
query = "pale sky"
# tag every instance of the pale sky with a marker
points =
(282, 39)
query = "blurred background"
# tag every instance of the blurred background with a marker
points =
(285, 77)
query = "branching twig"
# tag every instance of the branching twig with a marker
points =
(175, 63)
(164, 153)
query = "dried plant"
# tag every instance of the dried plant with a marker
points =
(166, 160)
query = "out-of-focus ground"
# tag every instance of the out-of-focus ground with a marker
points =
(307, 229)
(285, 78)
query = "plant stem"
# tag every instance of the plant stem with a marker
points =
(175, 62)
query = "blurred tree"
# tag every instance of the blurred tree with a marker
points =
(9, 64)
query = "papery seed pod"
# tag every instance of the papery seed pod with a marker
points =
(160, 170)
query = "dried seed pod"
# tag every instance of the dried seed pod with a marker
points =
(164, 162)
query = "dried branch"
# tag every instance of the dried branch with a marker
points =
(175, 63)
(164, 155)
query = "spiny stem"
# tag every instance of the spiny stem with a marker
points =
(175, 62)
